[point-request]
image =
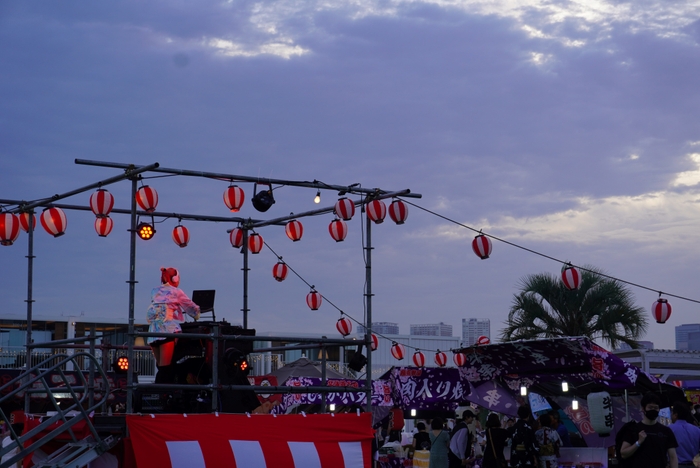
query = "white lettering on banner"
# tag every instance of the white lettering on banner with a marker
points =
(304, 454)
(185, 454)
(248, 454)
(352, 454)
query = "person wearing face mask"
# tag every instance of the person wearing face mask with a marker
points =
(650, 444)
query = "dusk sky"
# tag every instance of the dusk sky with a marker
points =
(570, 128)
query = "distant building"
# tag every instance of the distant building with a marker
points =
(687, 333)
(643, 344)
(384, 328)
(432, 329)
(473, 328)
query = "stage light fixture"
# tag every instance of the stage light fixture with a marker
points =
(262, 201)
(121, 365)
(145, 230)
(358, 360)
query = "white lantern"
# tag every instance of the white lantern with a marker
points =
(600, 408)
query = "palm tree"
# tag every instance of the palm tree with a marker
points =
(601, 309)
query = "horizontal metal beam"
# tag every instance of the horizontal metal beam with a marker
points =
(255, 388)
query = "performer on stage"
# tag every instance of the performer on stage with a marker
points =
(165, 314)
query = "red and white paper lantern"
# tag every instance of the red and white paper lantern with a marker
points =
(418, 359)
(571, 277)
(181, 236)
(375, 342)
(398, 351)
(147, 198)
(398, 211)
(255, 243)
(338, 230)
(103, 226)
(294, 230)
(313, 300)
(345, 209)
(234, 196)
(376, 211)
(24, 221)
(482, 340)
(236, 238)
(9, 228)
(459, 359)
(344, 326)
(54, 221)
(481, 245)
(440, 359)
(280, 270)
(661, 310)
(101, 203)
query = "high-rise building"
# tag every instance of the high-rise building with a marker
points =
(384, 328)
(473, 328)
(683, 335)
(432, 329)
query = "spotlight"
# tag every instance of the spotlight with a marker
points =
(317, 198)
(263, 200)
(235, 363)
(564, 387)
(358, 360)
(121, 365)
(145, 230)
(523, 390)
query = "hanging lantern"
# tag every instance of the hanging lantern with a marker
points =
(280, 270)
(600, 409)
(345, 209)
(375, 342)
(571, 276)
(294, 230)
(181, 236)
(398, 351)
(313, 300)
(376, 211)
(234, 198)
(101, 203)
(482, 340)
(344, 326)
(255, 243)
(9, 228)
(24, 221)
(338, 230)
(440, 358)
(661, 310)
(481, 245)
(236, 238)
(418, 359)
(103, 226)
(398, 211)
(54, 221)
(147, 198)
(459, 359)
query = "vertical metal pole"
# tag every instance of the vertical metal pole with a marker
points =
(215, 368)
(30, 299)
(244, 250)
(132, 295)
(91, 377)
(368, 324)
(324, 380)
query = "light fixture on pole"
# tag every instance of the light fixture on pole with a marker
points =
(317, 198)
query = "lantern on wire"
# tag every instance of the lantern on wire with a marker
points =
(101, 203)
(398, 351)
(459, 359)
(440, 358)
(344, 209)
(661, 310)
(482, 340)
(376, 211)
(338, 230)
(375, 342)
(54, 221)
(398, 211)
(9, 228)
(294, 230)
(418, 359)
(481, 245)
(314, 299)
(147, 198)
(255, 243)
(103, 226)
(24, 221)
(570, 276)
(234, 196)
(181, 236)
(280, 270)
(236, 238)
(344, 326)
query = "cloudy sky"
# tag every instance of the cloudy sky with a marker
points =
(570, 128)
